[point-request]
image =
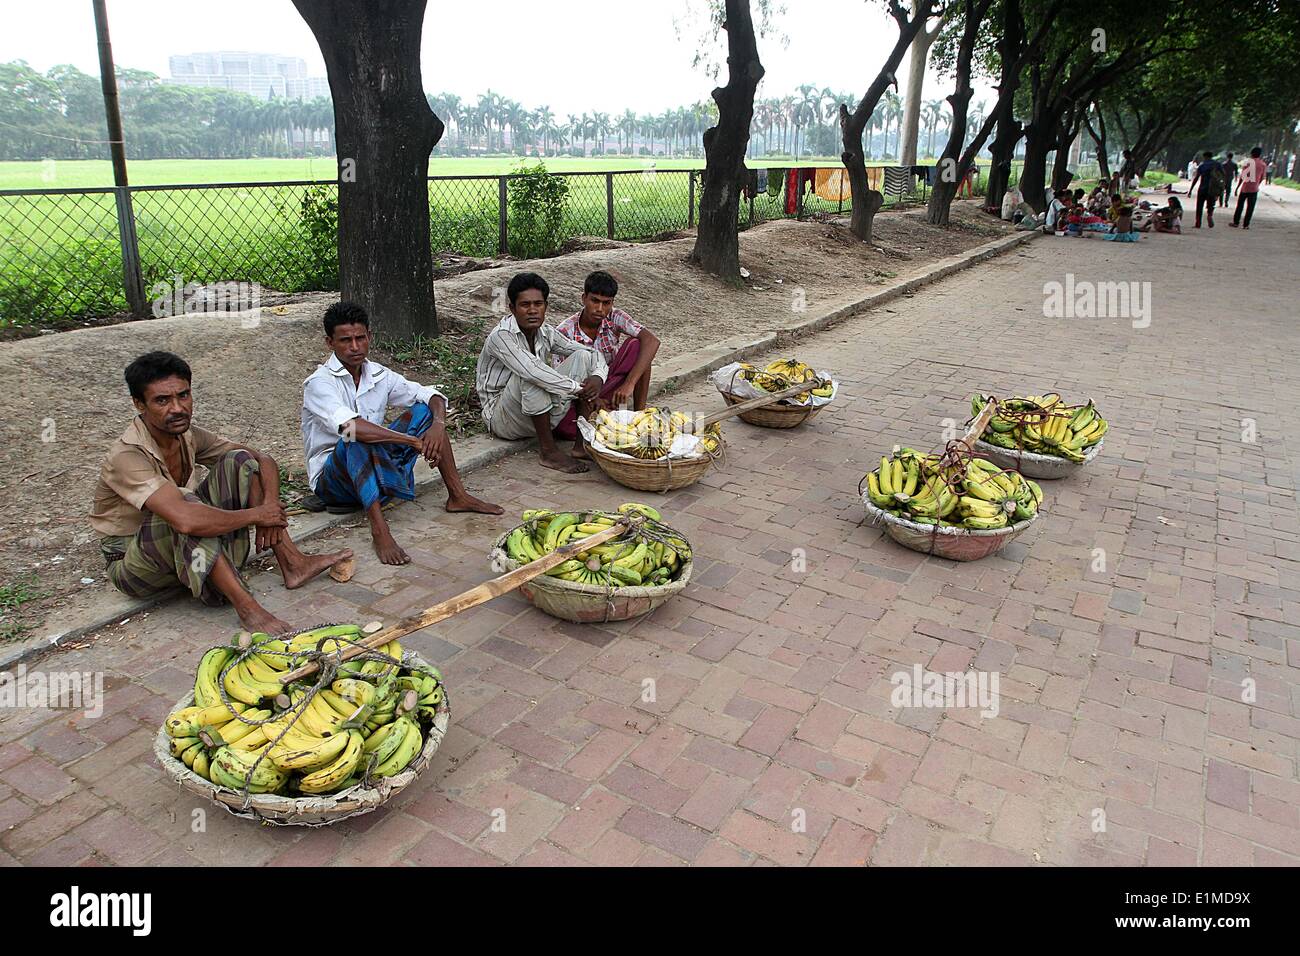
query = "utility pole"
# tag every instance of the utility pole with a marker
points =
(131, 277)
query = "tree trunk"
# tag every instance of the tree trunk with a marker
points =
(866, 202)
(717, 244)
(384, 126)
(954, 164)
(1033, 177)
(917, 57)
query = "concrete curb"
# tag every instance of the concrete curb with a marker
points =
(482, 450)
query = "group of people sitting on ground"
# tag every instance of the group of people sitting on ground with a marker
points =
(1216, 181)
(164, 525)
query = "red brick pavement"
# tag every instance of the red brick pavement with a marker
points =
(1122, 735)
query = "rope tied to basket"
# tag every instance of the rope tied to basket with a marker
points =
(328, 665)
(808, 408)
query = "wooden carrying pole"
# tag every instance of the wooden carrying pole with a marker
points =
(981, 422)
(474, 596)
(750, 404)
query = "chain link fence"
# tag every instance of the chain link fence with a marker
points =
(63, 255)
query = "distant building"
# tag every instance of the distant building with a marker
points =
(263, 75)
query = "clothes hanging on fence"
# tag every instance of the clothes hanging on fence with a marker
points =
(895, 180)
(762, 181)
(832, 185)
(875, 176)
(751, 183)
(791, 191)
(924, 174)
(775, 181)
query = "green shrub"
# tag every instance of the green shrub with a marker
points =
(536, 201)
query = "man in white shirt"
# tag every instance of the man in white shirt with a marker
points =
(521, 394)
(371, 464)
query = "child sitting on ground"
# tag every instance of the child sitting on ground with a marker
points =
(1116, 203)
(1123, 230)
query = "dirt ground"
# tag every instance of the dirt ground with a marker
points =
(67, 403)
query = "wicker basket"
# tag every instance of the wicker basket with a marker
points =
(586, 603)
(314, 810)
(663, 474)
(957, 544)
(1032, 464)
(779, 415)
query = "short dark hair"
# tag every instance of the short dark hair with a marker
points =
(153, 367)
(600, 283)
(525, 281)
(1207, 155)
(1257, 152)
(1230, 155)
(344, 313)
(1080, 193)
(1116, 198)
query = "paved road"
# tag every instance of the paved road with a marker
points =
(1122, 736)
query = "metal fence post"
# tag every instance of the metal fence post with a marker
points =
(503, 244)
(132, 279)
(751, 210)
(609, 205)
(690, 216)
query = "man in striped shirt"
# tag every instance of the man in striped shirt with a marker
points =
(521, 394)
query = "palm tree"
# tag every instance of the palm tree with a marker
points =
(570, 128)
(893, 113)
(932, 111)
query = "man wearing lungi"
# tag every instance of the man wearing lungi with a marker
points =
(521, 394)
(166, 526)
(627, 347)
(371, 464)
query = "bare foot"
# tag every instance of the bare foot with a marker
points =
(564, 463)
(258, 619)
(579, 451)
(301, 570)
(467, 502)
(389, 551)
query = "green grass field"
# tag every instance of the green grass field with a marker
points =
(89, 173)
(60, 258)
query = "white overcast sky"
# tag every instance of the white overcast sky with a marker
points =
(575, 56)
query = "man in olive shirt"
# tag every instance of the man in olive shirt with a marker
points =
(164, 528)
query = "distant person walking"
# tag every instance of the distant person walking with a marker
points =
(1252, 171)
(1268, 176)
(1229, 174)
(1210, 175)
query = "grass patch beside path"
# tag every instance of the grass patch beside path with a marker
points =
(13, 595)
(449, 362)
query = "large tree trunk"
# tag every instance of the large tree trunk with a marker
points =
(384, 132)
(955, 163)
(1033, 177)
(866, 202)
(717, 243)
(917, 57)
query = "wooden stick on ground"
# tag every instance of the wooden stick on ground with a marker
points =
(475, 595)
(752, 403)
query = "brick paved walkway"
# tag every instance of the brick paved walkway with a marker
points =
(772, 738)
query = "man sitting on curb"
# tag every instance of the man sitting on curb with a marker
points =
(371, 464)
(627, 347)
(521, 394)
(164, 528)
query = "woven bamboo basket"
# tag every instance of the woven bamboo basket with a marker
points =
(663, 474)
(775, 416)
(585, 603)
(1032, 464)
(314, 810)
(957, 544)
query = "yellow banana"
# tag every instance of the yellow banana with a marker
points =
(332, 775)
(412, 742)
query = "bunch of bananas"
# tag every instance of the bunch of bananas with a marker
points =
(648, 436)
(1043, 424)
(636, 559)
(783, 374)
(270, 737)
(926, 489)
(650, 433)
